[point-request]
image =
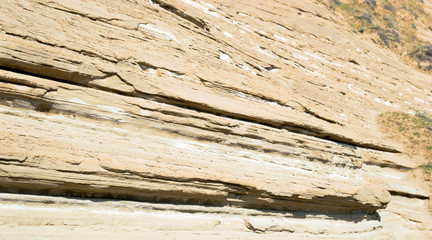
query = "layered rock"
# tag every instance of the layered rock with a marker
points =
(219, 119)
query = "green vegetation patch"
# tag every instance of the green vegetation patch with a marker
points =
(427, 170)
(426, 167)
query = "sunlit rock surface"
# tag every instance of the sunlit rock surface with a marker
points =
(191, 119)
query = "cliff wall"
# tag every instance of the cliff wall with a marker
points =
(183, 119)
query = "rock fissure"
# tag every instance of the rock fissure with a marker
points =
(409, 195)
(171, 8)
(250, 198)
(311, 131)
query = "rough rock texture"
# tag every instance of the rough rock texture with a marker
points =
(190, 119)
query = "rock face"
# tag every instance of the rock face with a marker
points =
(189, 119)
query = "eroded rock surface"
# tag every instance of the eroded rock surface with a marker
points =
(217, 119)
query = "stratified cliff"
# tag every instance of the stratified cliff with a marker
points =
(183, 119)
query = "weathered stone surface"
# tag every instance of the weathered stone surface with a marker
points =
(218, 119)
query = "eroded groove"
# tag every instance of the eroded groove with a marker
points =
(408, 195)
(182, 103)
(80, 83)
(314, 132)
(93, 18)
(171, 8)
(14, 159)
(147, 66)
(77, 201)
(308, 111)
(82, 52)
(389, 165)
(38, 103)
(235, 195)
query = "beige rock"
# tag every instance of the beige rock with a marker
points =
(373, 195)
(189, 119)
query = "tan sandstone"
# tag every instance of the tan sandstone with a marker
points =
(184, 119)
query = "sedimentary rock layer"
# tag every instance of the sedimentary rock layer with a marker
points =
(261, 113)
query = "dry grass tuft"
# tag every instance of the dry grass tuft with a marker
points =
(395, 24)
(415, 132)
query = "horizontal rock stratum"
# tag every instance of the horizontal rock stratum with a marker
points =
(182, 119)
